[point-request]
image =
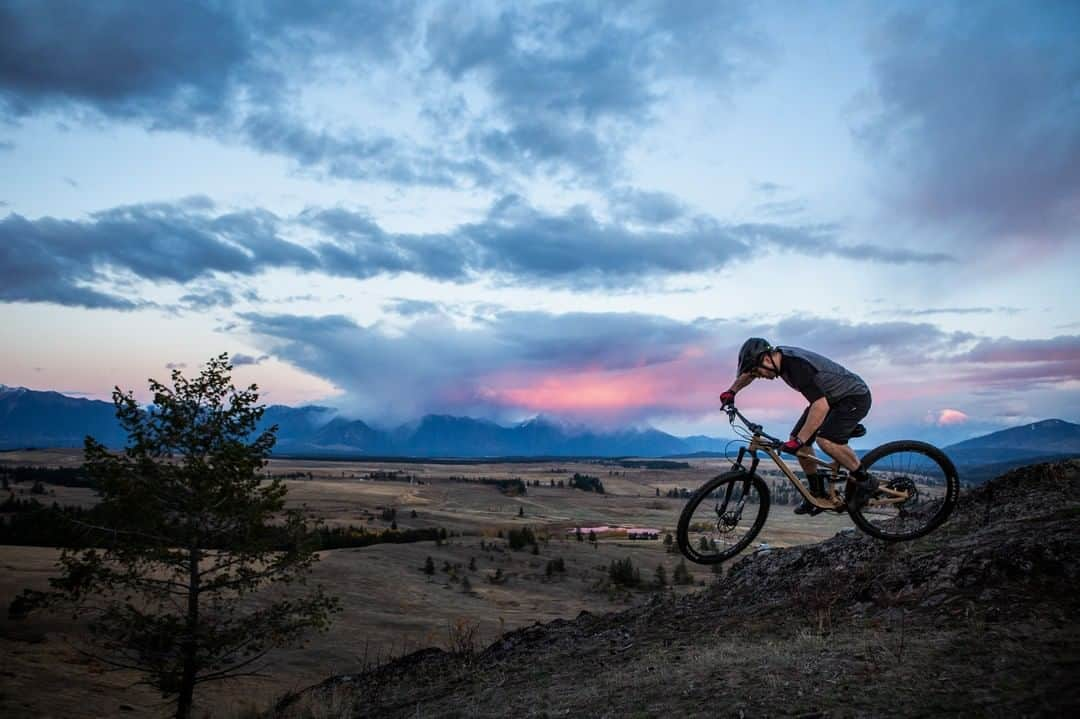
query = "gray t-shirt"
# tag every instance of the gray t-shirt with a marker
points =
(815, 376)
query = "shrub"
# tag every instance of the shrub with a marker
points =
(623, 573)
(521, 538)
(555, 565)
(682, 575)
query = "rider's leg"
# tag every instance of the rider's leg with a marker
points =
(842, 453)
(816, 482)
(860, 487)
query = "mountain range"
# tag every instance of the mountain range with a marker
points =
(30, 418)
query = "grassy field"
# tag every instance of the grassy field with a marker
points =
(390, 606)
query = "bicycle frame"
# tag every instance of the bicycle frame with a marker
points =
(762, 442)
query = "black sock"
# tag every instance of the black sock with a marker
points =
(817, 484)
(859, 474)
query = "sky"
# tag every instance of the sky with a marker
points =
(571, 209)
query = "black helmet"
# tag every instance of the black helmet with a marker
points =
(751, 352)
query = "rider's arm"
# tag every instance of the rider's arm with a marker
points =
(741, 381)
(818, 409)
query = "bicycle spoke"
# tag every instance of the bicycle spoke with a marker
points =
(914, 487)
(721, 523)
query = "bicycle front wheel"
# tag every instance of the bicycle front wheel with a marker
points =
(723, 517)
(918, 488)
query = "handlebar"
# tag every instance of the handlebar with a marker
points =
(757, 429)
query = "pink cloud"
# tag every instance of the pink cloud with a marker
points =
(948, 417)
(689, 385)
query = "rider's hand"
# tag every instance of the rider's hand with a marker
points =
(727, 398)
(792, 446)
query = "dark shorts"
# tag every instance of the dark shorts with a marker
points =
(840, 422)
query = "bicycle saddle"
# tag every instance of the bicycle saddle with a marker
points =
(859, 431)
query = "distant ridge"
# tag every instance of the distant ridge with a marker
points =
(29, 418)
(32, 418)
(1046, 435)
(982, 458)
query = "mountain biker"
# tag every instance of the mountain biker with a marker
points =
(838, 400)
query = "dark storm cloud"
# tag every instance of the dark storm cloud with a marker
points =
(170, 62)
(60, 260)
(979, 114)
(566, 85)
(50, 260)
(567, 80)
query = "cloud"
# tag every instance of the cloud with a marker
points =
(75, 262)
(501, 90)
(630, 204)
(946, 417)
(239, 359)
(1010, 363)
(928, 311)
(51, 260)
(1062, 348)
(170, 63)
(976, 114)
(175, 365)
(219, 297)
(435, 366)
(615, 367)
(412, 308)
(899, 343)
(568, 83)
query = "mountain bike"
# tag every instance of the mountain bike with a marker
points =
(917, 489)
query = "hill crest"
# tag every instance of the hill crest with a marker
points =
(976, 618)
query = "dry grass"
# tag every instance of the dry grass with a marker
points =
(391, 607)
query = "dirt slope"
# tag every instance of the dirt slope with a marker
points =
(977, 619)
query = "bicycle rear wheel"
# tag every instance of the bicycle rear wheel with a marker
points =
(723, 517)
(918, 488)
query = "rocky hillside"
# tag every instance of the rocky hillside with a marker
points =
(977, 619)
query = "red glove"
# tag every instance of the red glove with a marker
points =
(727, 398)
(791, 446)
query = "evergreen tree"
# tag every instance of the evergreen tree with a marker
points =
(682, 574)
(185, 531)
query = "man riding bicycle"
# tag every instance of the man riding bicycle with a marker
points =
(838, 400)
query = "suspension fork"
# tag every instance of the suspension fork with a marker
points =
(721, 507)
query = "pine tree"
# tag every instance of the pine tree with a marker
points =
(187, 529)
